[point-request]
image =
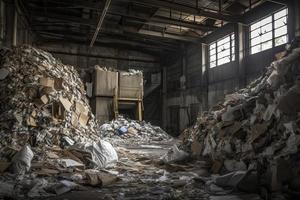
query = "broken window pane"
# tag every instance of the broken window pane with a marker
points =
(212, 52)
(280, 22)
(261, 34)
(255, 33)
(212, 58)
(255, 49)
(223, 47)
(266, 45)
(261, 23)
(281, 31)
(223, 41)
(233, 57)
(212, 46)
(224, 60)
(224, 53)
(213, 64)
(221, 51)
(254, 26)
(255, 41)
(266, 28)
(266, 37)
(280, 40)
(280, 14)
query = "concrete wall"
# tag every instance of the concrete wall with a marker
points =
(14, 29)
(184, 93)
(84, 62)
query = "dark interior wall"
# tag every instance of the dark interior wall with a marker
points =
(184, 78)
(213, 84)
(82, 61)
(222, 80)
(11, 19)
(256, 64)
(153, 107)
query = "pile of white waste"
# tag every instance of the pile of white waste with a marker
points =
(131, 130)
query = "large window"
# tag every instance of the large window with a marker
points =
(269, 32)
(222, 51)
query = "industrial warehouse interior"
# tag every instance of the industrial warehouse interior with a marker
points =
(150, 99)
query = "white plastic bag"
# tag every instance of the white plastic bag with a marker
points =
(101, 154)
(22, 160)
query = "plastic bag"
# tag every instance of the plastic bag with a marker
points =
(22, 160)
(101, 154)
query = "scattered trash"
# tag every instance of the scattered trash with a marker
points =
(174, 155)
(66, 186)
(3, 73)
(69, 163)
(21, 162)
(96, 155)
(44, 113)
(6, 189)
(124, 130)
(100, 178)
(254, 128)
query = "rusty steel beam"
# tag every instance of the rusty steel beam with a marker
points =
(100, 22)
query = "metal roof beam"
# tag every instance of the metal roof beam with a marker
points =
(187, 9)
(167, 21)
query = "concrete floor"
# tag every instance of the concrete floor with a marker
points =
(143, 177)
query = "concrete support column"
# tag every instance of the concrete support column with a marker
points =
(15, 28)
(240, 52)
(204, 83)
(9, 23)
(2, 21)
(183, 75)
(183, 93)
(164, 98)
(297, 17)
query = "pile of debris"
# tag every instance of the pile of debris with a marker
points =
(42, 100)
(127, 130)
(256, 128)
(130, 72)
(103, 68)
(47, 131)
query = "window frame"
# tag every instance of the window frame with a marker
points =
(272, 31)
(216, 45)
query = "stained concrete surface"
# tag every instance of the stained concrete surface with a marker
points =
(143, 177)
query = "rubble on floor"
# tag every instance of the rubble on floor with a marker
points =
(142, 176)
(48, 138)
(256, 129)
(123, 130)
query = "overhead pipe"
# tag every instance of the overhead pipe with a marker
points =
(100, 22)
